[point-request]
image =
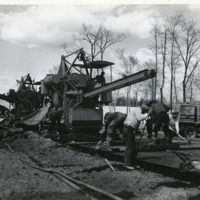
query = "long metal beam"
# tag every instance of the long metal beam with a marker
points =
(126, 81)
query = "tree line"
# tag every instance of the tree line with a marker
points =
(176, 50)
(174, 55)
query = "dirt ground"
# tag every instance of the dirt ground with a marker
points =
(18, 181)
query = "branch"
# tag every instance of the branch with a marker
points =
(195, 66)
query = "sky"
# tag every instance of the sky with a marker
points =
(31, 36)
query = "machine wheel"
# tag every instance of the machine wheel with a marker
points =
(190, 131)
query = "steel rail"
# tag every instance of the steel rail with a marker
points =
(191, 176)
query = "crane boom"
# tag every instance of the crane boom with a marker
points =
(126, 81)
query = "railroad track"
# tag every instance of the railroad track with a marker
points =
(179, 160)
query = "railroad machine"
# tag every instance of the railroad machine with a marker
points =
(24, 100)
(77, 95)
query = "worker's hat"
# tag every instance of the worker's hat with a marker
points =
(145, 107)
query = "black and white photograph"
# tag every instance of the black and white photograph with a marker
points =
(99, 100)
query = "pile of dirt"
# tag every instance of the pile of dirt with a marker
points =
(18, 181)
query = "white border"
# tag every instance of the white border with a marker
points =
(92, 2)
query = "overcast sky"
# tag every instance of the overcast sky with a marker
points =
(31, 36)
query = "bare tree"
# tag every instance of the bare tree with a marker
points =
(173, 57)
(190, 88)
(164, 38)
(115, 98)
(149, 88)
(154, 48)
(90, 34)
(193, 87)
(159, 48)
(108, 38)
(129, 63)
(188, 45)
(173, 63)
(99, 39)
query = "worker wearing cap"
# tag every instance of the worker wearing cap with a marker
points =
(131, 125)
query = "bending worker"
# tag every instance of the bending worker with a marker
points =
(131, 125)
(161, 119)
(113, 121)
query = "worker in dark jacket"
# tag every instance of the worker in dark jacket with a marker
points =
(149, 126)
(113, 121)
(160, 118)
(100, 78)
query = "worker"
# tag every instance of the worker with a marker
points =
(55, 115)
(160, 119)
(131, 125)
(113, 122)
(173, 122)
(149, 125)
(100, 79)
(102, 131)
